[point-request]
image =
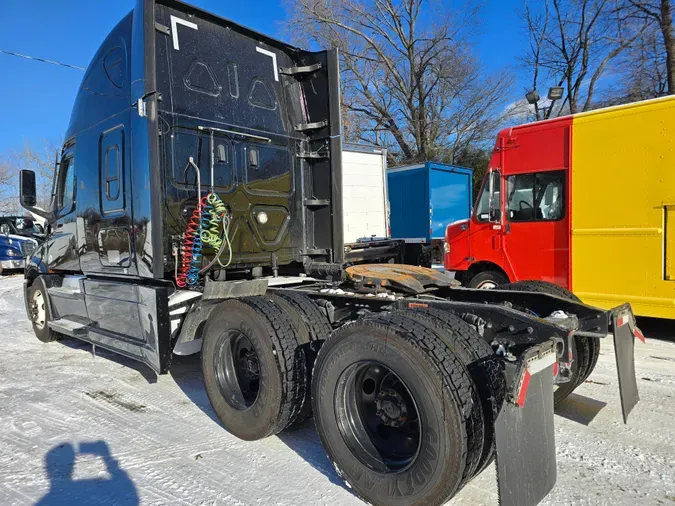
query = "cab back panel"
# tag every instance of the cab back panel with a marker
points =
(214, 74)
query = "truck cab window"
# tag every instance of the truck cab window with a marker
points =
(536, 197)
(66, 186)
(483, 207)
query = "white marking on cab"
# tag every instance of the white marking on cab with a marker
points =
(174, 29)
(274, 60)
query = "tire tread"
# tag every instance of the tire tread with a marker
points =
(285, 343)
(452, 373)
(484, 368)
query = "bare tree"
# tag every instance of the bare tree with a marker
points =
(573, 43)
(6, 187)
(537, 29)
(644, 69)
(409, 79)
(652, 62)
(38, 157)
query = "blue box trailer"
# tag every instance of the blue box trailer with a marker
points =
(423, 200)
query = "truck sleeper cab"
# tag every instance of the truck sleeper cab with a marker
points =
(198, 208)
(558, 218)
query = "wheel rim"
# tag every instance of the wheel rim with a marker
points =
(378, 417)
(574, 371)
(38, 312)
(237, 370)
(487, 285)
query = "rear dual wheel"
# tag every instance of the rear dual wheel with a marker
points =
(311, 329)
(485, 370)
(397, 411)
(585, 350)
(257, 355)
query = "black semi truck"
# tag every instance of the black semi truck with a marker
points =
(197, 208)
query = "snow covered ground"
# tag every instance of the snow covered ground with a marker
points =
(84, 430)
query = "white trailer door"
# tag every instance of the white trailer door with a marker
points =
(364, 193)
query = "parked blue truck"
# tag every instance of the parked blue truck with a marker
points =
(13, 250)
(424, 199)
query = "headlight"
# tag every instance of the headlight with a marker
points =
(446, 247)
(12, 252)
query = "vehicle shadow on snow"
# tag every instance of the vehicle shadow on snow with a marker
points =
(657, 328)
(579, 408)
(103, 354)
(186, 371)
(112, 487)
(303, 440)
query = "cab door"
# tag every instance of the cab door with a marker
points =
(536, 226)
(62, 247)
(114, 236)
(485, 236)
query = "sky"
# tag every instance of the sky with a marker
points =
(36, 98)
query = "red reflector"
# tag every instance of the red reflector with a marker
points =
(523, 389)
(413, 305)
(638, 333)
(555, 369)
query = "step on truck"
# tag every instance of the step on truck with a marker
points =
(198, 209)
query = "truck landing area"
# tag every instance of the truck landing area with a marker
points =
(79, 429)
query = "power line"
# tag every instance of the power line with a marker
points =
(41, 60)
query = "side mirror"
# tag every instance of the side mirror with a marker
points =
(494, 204)
(4, 229)
(494, 215)
(28, 197)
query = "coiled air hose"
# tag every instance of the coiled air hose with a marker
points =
(208, 226)
(213, 214)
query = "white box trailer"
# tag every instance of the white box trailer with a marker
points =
(364, 192)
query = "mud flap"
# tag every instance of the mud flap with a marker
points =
(625, 331)
(526, 463)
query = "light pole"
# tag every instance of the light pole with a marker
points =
(554, 93)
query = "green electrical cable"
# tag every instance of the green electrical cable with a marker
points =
(215, 214)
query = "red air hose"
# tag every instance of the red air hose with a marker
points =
(188, 245)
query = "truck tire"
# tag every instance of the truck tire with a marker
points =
(541, 287)
(251, 372)
(305, 352)
(38, 309)
(317, 322)
(487, 280)
(475, 425)
(586, 349)
(319, 328)
(484, 368)
(392, 405)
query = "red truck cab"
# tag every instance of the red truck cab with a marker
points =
(523, 232)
